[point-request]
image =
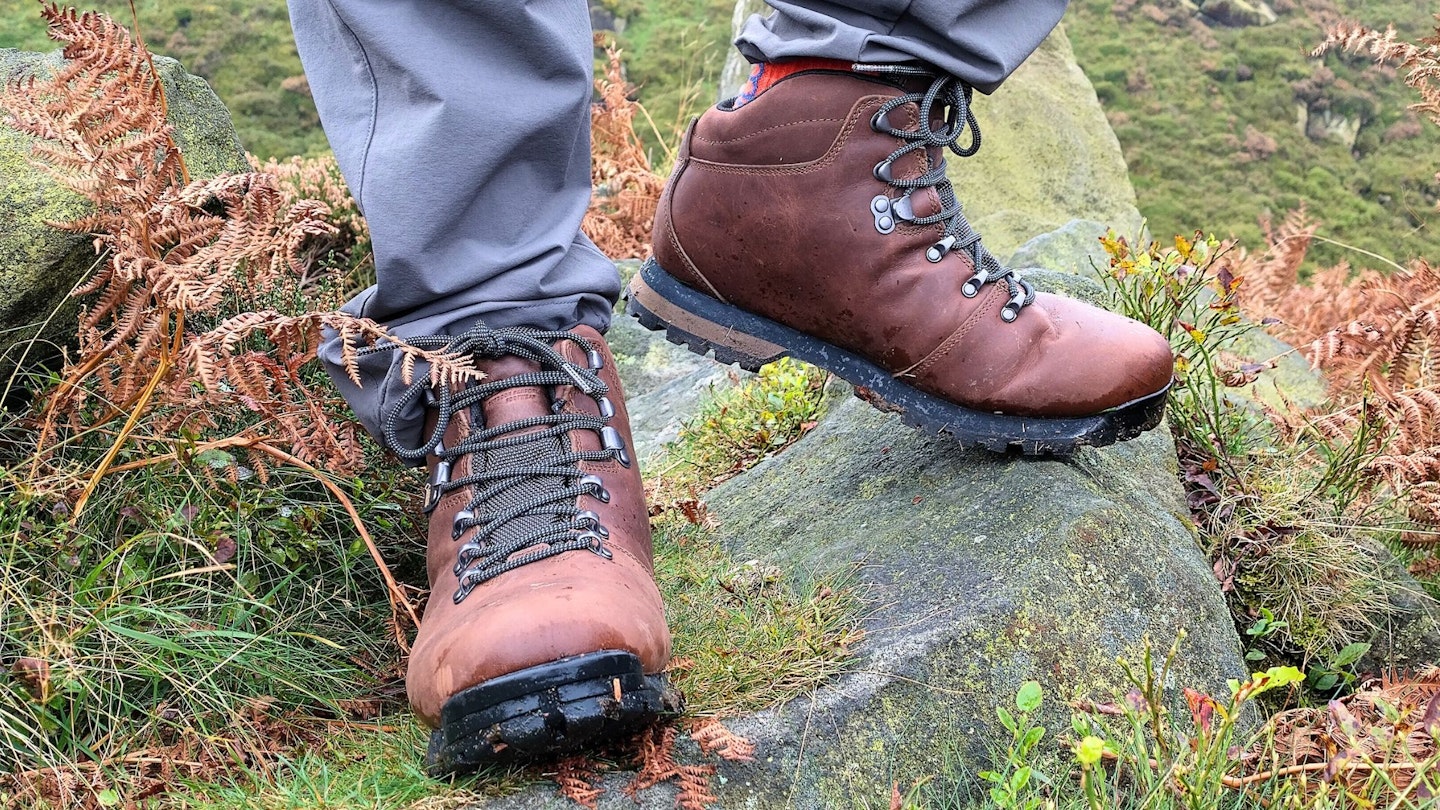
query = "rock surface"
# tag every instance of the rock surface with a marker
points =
(1049, 155)
(1238, 13)
(991, 571)
(39, 264)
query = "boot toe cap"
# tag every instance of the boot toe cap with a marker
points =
(512, 629)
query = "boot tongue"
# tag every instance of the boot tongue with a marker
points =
(512, 404)
(507, 407)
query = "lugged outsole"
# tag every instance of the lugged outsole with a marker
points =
(734, 336)
(547, 711)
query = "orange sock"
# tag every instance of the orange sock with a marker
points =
(764, 75)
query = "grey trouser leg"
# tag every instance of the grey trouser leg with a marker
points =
(463, 129)
(980, 41)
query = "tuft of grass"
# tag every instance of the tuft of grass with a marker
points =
(747, 635)
(188, 613)
(1313, 572)
(359, 767)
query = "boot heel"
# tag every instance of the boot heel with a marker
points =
(703, 331)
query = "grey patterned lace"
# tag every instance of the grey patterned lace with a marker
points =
(524, 474)
(954, 97)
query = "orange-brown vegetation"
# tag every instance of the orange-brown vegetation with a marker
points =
(183, 323)
(1375, 335)
(626, 189)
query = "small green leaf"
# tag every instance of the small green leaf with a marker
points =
(1391, 713)
(1020, 779)
(1032, 737)
(1326, 682)
(1255, 655)
(1006, 719)
(1350, 654)
(1029, 697)
(107, 798)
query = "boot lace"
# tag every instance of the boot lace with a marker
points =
(524, 484)
(954, 97)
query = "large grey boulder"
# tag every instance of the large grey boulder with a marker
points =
(40, 264)
(985, 571)
(1049, 155)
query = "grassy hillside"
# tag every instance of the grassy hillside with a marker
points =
(1207, 117)
(243, 47)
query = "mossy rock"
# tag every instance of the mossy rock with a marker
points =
(1049, 155)
(991, 570)
(40, 264)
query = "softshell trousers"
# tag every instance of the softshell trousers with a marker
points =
(463, 129)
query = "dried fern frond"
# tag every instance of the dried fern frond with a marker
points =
(578, 781)
(627, 190)
(181, 326)
(714, 738)
(1422, 60)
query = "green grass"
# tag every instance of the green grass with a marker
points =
(1182, 109)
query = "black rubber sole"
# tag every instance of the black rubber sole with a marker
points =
(548, 711)
(751, 341)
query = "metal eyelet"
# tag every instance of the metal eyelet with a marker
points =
(902, 207)
(435, 487)
(880, 121)
(468, 553)
(591, 521)
(468, 581)
(607, 408)
(615, 443)
(595, 359)
(460, 517)
(882, 171)
(972, 287)
(596, 544)
(596, 487)
(1011, 311)
(939, 250)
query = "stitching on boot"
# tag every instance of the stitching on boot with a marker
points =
(757, 133)
(799, 168)
(983, 307)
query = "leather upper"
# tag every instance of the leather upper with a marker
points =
(570, 604)
(769, 209)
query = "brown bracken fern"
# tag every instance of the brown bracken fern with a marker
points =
(198, 329)
(1422, 60)
(1375, 335)
(1377, 338)
(627, 190)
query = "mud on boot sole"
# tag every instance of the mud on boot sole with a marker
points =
(704, 324)
(547, 711)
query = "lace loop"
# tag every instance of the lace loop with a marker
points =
(524, 475)
(952, 96)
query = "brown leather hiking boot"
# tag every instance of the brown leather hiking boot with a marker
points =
(816, 221)
(544, 632)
